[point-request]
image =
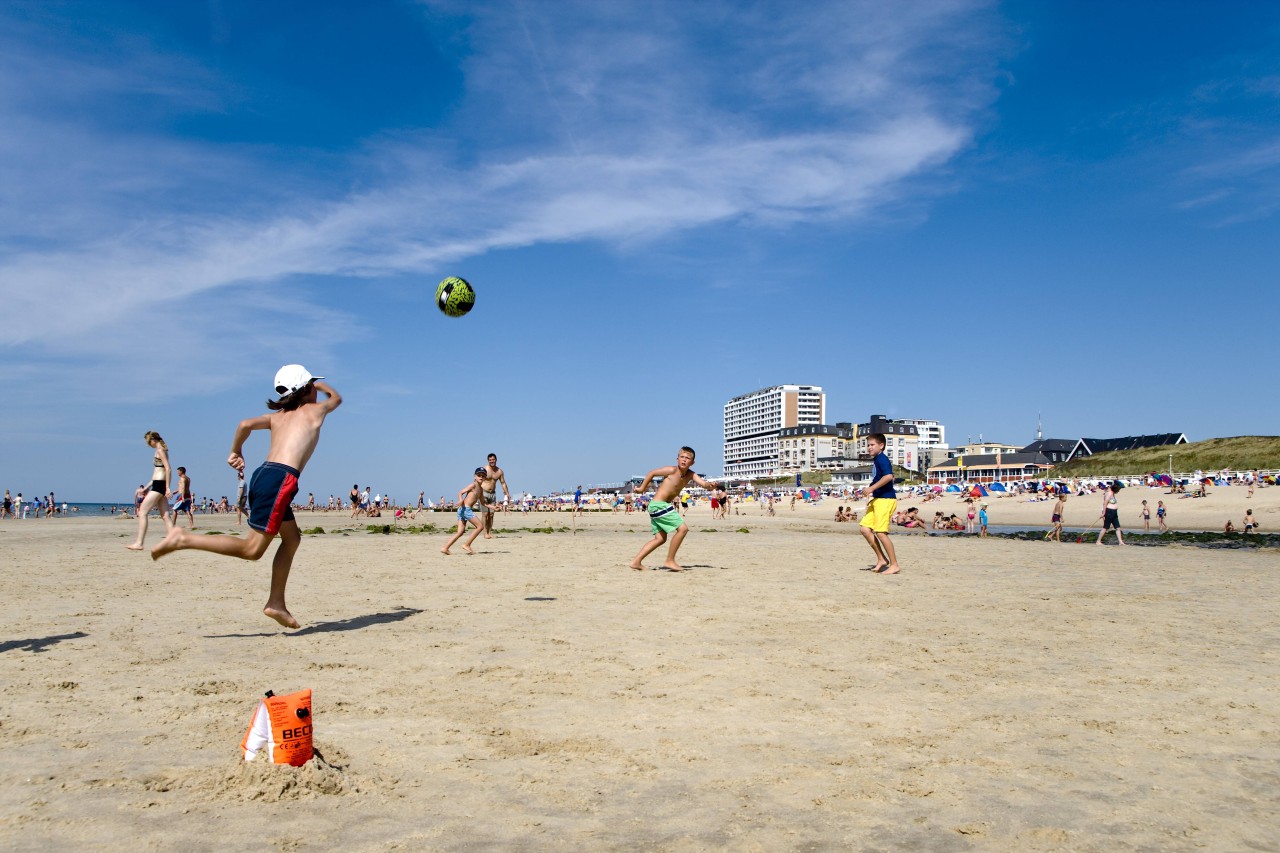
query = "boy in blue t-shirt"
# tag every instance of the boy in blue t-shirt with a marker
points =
(982, 520)
(881, 502)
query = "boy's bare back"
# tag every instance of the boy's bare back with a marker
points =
(294, 434)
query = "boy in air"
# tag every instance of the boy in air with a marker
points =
(470, 495)
(881, 501)
(295, 421)
(663, 516)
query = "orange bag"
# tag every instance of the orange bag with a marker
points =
(282, 724)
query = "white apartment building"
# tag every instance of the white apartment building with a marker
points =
(932, 444)
(813, 448)
(753, 422)
(932, 434)
(902, 442)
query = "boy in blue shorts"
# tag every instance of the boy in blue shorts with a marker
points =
(663, 515)
(470, 495)
(295, 420)
(881, 502)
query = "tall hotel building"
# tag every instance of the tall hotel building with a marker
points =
(753, 421)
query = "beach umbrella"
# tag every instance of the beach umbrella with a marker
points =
(937, 488)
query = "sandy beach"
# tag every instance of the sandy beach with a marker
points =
(997, 695)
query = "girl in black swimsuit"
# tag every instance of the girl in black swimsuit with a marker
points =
(158, 492)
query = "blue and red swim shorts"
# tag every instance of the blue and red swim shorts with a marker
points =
(271, 491)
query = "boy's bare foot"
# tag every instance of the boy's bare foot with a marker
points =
(638, 568)
(673, 567)
(168, 544)
(488, 536)
(467, 548)
(878, 567)
(890, 570)
(445, 551)
(284, 617)
(134, 547)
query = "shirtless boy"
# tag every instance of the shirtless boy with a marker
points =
(185, 499)
(492, 476)
(1055, 532)
(471, 494)
(663, 517)
(295, 422)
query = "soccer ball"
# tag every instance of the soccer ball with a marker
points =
(455, 296)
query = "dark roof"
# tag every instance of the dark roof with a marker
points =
(1006, 460)
(1133, 442)
(1051, 445)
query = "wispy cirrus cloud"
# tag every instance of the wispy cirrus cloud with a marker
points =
(578, 122)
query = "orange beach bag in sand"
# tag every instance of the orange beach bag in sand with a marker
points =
(281, 724)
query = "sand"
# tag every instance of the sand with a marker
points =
(997, 695)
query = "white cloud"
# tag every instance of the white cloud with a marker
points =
(609, 125)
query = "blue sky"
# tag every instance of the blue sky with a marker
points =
(973, 212)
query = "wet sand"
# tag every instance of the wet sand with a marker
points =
(996, 695)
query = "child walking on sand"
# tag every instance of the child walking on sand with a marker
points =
(468, 497)
(295, 421)
(881, 501)
(1055, 533)
(663, 515)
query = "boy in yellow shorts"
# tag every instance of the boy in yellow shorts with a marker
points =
(881, 503)
(664, 516)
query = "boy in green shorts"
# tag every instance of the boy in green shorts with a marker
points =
(663, 515)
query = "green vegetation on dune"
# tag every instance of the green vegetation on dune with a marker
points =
(1240, 453)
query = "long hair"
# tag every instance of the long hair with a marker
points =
(152, 435)
(293, 401)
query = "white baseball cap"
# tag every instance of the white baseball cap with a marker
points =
(292, 378)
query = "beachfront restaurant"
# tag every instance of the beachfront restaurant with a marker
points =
(995, 468)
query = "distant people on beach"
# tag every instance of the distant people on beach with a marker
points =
(1055, 520)
(241, 497)
(1111, 513)
(184, 498)
(1161, 513)
(982, 521)
(1250, 524)
(1146, 518)
(157, 496)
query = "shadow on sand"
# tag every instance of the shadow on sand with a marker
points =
(40, 644)
(355, 623)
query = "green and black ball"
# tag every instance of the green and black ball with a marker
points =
(455, 296)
